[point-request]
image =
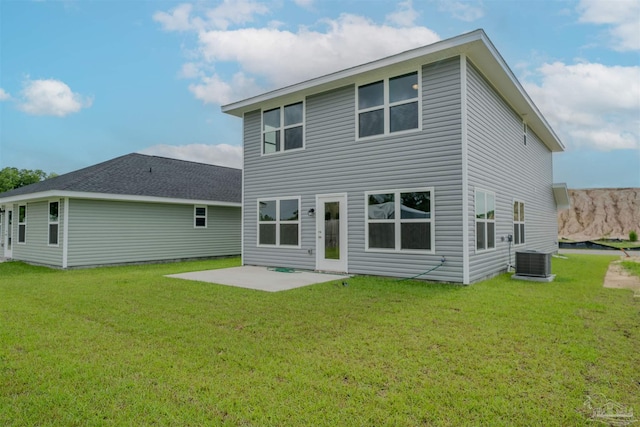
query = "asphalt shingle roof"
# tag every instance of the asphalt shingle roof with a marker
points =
(142, 175)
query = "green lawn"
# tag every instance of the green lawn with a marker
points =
(620, 245)
(127, 346)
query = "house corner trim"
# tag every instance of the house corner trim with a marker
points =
(465, 170)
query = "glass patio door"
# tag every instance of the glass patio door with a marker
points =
(331, 230)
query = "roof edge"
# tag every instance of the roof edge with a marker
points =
(51, 194)
(333, 79)
(561, 196)
(485, 53)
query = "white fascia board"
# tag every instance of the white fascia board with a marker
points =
(46, 195)
(495, 69)
(442, 49)
(476, 45)
(561, 196)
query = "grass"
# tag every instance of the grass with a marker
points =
(626, 244)
(632, 267)
(125, 345)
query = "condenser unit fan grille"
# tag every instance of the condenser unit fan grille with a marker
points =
(532, 263)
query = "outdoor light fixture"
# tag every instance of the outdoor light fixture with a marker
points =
(311, 212)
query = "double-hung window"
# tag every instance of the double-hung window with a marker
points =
(54, 223)
(518, 223)
(485, 220)
(200, 217)
(279, 222)
(283, 128)
(400, 220)
(22, 224)
(389, 105)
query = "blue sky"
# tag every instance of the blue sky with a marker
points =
(85, 81)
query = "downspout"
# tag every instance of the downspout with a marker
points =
(242, 193)
(465, 170)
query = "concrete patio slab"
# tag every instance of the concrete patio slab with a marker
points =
(260, 278)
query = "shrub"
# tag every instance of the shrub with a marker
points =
(633, 236)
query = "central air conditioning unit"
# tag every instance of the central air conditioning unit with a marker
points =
(533, 264)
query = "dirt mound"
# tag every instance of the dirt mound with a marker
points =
(600, 213)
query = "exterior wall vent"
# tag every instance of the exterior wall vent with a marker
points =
(533, 264)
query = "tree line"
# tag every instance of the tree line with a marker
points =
(11, 178)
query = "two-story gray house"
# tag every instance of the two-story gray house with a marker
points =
(391, 167)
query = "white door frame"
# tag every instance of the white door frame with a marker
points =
(335, 265)
(8, 233)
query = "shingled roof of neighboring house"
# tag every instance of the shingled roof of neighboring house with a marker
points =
(148, 176)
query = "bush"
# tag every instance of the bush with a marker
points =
(633, 236)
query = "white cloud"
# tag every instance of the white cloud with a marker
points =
(283, 57)
(307, 4)
(235, 12)
(623, 16)
(221, 154)
(462, 10)
(4, 95)
(590, 105)
(190, 70)
(250, 60)
(51, 98)
(177, 20)
(404, 16)
(214, 90)
(221, 17)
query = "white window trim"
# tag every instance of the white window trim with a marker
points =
(196, 216)
(522, 241)
(485, 221)
(398, 221)
(525, 131)
(49, 223)
(387, 106)
(22, 223)
(282, 128)
(277, 222)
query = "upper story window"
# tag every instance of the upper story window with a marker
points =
(22, 224)
(485, 220)
(283, 128)
(54, 222)
(389, 105)
(525, 130)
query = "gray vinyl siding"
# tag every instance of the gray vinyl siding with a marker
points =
(113, 232)
(36, 248)
(500, 162)
(334, 162)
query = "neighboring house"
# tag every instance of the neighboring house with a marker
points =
(134, 208)
(388, 167)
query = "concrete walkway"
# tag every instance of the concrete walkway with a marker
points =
(260, 278)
